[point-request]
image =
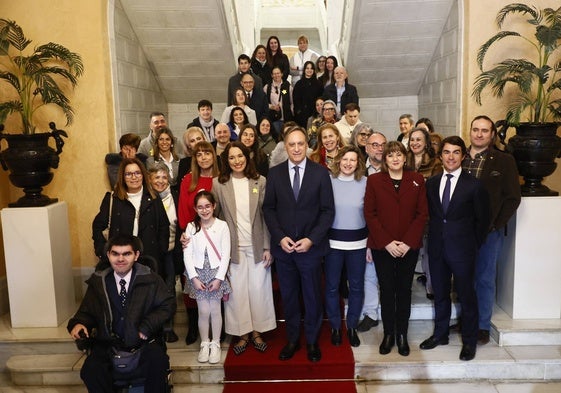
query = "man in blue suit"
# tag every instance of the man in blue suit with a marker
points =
(459, 222)
(299, 210)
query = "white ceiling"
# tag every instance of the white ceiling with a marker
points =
(189, 47)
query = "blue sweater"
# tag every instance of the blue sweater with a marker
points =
(348, 231)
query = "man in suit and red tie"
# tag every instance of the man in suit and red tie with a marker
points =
(459, 222)
(299, 210)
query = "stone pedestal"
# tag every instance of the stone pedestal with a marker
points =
(38, 265)
(529, 269)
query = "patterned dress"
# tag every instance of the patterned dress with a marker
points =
(206, 275)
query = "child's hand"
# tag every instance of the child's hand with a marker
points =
(214, 285)
(198, 284)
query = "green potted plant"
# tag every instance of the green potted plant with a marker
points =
(30, 82)
(533, 88)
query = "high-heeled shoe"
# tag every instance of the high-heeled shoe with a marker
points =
(402, 345)
(241, 346)
(387, 344)
(260, 346)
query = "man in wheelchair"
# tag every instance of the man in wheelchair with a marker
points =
(121, 320)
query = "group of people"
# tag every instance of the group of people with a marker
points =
(331, 198)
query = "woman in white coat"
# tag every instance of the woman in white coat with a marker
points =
(239, 192)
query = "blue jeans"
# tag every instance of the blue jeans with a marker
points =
(486, 276)
(354, 261)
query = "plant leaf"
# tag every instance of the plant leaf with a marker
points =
(9, 107)
(11, 79)
(521, 8)
(12, 34)
(485, 47)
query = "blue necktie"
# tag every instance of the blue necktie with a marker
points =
(296, 182)
(446, 193)
(123, 292)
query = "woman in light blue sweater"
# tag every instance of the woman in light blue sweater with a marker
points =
(347, 239)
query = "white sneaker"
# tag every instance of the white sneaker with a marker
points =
(215, 353)
(203, 353)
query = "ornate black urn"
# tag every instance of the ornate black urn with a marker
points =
(29, 158)
(535, 147)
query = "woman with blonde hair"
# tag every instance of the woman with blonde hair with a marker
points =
(329, 143)
(191, 137)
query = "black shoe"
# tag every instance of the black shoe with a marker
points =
(387, 344)
(457, 327)
(314, 354)
(402, 345)
(422, 279)
(170, 336)
(366, 324)
(289, 350)
(353, 337)
(336, 337)
(483, 337)
(433, 342)
(468, 352)
(430, 296)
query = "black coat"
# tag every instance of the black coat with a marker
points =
(153, 224)
(349, 95)
(149, 305)
(304, 96)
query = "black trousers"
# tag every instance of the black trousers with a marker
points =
(395, 276)
(98, 375)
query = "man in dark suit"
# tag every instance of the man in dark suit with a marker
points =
(459, 222)
(257, 100)
(299, 211)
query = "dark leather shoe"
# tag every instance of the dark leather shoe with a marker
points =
(314, 354)
(387, 344)
(430, 296)
(483, 337)
(402, 345)
(289, 350)
(170, 336)
(366, 324)
(433, 342)
(336, 336)
(353, 337)
(468, 352)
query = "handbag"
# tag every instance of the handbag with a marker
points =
(105, 232)
(226, 296)
(125, 361)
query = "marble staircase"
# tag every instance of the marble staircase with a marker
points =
(522, 350)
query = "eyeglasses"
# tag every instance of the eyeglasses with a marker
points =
(364, 134)
(328, 109)
(133, 174)
(377, 145)
(203, 208)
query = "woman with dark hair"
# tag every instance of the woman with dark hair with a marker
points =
(276, 57)
(164, 152)
(320, 66)
(422, 158)
(305, 93)
(238, 119)
(240, 191)
(426, 123)
(260, 64)
(203, 169)
(329, 143)
(328, 76)
(267, 140)
(133, 208)
(240, 100)
(248, 136)
(395, 239)
(359, 137)
(347, 241)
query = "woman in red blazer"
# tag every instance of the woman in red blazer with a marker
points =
(395, 208)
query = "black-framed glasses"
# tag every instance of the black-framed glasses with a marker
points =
(328, 109)
(377, 145)
(133, 174)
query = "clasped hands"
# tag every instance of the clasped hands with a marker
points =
(214, 285)
(397, 249)
(289, 246)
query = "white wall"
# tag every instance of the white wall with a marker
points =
(438, 95)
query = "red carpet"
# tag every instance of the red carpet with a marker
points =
(336, 363)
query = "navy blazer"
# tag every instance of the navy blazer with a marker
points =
(259, 103)
(459, 233)
(349, 95)
(310, 216)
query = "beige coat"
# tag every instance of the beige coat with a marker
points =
(226, 211)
